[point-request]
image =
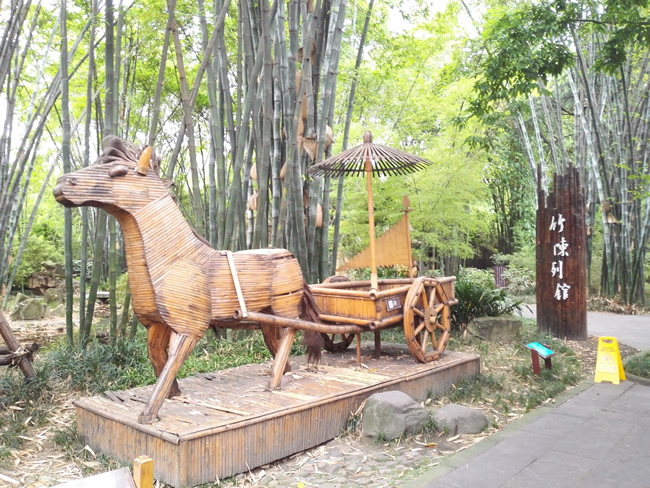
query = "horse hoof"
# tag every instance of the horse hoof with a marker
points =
(146, 418)
(174, 392)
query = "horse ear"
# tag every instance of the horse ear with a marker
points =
(143, 162)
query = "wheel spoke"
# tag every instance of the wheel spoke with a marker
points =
(432, 295)
(434, 341)
(425, 301)
(418, 312)
(419, 328)
(423, 344)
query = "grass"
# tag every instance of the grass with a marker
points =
(506, 385)
(22, 404)
(639, 365)
(120, 365)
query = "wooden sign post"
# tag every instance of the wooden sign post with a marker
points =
(561, 259)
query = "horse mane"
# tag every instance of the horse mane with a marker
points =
(117, 149)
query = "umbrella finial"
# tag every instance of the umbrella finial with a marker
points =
(367, 137)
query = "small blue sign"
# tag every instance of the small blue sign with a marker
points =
(541, 349)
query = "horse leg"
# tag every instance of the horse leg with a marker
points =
(180, 346)
(157, 342)
(281, 357)
(271, 336)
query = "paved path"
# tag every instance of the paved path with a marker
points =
(600, 437)
(595, 435)
(632, 330)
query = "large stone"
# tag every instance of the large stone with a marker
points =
(58, 311)
(459, 419)
(389, 415)
(505, 328)
(15, 315)
(53, 295)
(20, 297)
(32, 309)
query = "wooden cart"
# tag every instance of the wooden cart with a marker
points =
(421, 305)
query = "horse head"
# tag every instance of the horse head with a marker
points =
(122, 179)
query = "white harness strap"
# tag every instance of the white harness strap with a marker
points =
(235, 279)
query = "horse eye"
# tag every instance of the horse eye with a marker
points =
(118, 170)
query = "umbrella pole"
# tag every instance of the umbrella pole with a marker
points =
(374, 285)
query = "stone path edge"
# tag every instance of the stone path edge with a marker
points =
(453, 461)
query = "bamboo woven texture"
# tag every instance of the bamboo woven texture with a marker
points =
(180, 285)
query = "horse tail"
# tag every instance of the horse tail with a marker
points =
(312, 340)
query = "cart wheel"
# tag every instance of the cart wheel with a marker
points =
(332, 345)
(426, 319)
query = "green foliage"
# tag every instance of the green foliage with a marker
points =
(471, 390)
(125, 363)
(639, 365)
(520, 272)
(510, 185)
(38, 249)
(478, 297)
(533, 41)
(121, 288)
(521, 281)
(383, 273)
(100, 367)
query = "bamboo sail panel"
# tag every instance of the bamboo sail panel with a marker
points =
(227, 422)
(393, 248)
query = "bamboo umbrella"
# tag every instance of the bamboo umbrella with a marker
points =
(370, 158)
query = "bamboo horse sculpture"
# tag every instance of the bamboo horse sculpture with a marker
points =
(180, 285)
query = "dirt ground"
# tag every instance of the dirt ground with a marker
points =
(41, 463)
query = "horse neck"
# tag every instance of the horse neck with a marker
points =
(165, 236)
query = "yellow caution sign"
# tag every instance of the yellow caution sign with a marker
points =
(609, 366)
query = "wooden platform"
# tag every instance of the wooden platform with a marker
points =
(227, 422)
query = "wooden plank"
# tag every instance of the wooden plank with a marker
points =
(193, 443)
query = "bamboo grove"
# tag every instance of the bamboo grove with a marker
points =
(240, 98)
(270, 73)
(575, 76)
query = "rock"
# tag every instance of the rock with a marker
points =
(58, 311)
(392, 413)
(493, 329)
(459, 419)
(28, 309)
(20, 297)
(32, 309)
(52, 295)
(15, 315)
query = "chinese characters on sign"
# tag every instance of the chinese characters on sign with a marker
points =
(560, 253)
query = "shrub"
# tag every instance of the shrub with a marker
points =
(37, 250)
(521, 281)
(478, 297)
(520, 270)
